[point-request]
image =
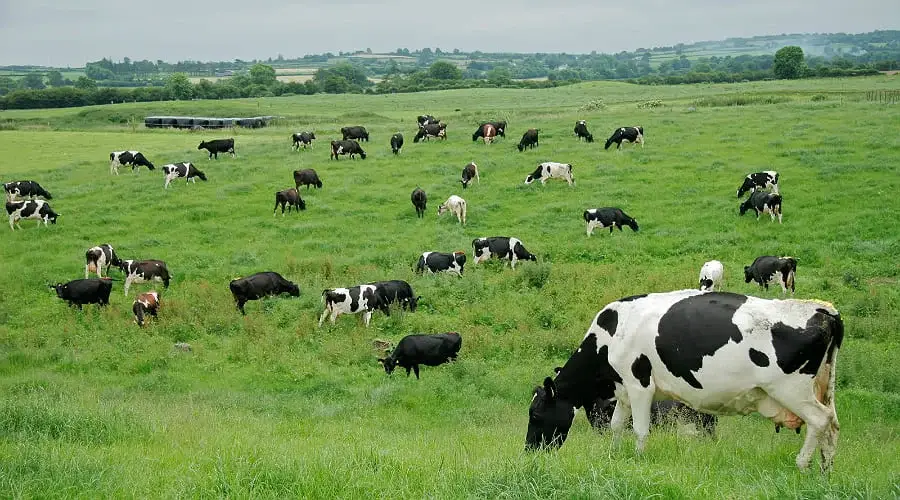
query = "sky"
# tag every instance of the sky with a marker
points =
(72, 32)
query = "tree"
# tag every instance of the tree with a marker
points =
(55, 79)
(788, 62)
(179, 87)
(262, 74)
(32, 81)
(498, 76)
(85, 83)
(443, 70)
(7, 84)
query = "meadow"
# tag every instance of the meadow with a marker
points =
(268, 405)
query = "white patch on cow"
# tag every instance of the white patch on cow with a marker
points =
(713, 271)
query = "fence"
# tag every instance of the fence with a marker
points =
(883, 96)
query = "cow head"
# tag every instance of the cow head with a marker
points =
(747, 205)
(746, 186)
(706, 284)
(590, 137)
(529, 179)
(202, 145)
(389, 363)
(632, 224)
(748, 274)
(51, 216)
(292, 289)
(312, 135)
(549, 418)
(59, 288)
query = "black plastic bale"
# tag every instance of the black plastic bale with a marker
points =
(184, 122)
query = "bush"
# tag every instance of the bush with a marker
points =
(654, 103)
(535, 275)
(818, 98)
(593, 105)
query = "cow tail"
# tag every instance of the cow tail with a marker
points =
(826, 377)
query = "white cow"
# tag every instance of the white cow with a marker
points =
(456, 205)
(711, 275)
(550, 170)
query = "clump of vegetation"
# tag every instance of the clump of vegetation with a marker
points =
(739, 100)
(818, 98)
(653, 103)
(593, 105)
(535, 275)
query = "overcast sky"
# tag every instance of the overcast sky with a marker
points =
(72, 32)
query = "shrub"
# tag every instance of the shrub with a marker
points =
(593, 105)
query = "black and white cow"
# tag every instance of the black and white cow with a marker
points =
(581, 131)
(359, 133)
(260, 285)
(306, 177)
(499, 128)
(399, 291)
(431, 131)
(551, 170)
(426, 119)
(610, 217)
(436, 262)
(29, 209)
(470, 172)
(133, 159)
(142, 271)
(396, 143)
(768, 268)
(346, 147)
(529, 140)
(86, 291)
(291, 198)
(145, 304)
(759, 180)
(24, 189)
(711, 275)
(99, 258)
(428, 350)
(302, 139)
(218, 146)
(419, 201)
(185, 169)
(353, 300)
(501, 247)
(763, 203)
(633, 135)
(719, 353)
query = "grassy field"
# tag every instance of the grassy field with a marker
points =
(269, 405)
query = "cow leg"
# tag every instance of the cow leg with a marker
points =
(408, 369)
(416, 369)
(641, 399)
(821, 421)
(590, 229)
(512, 262)
(322, 317)
(240, 306)
(611, 228)
(621, 414)
(127, 284)
(367, 316)
(86, 273)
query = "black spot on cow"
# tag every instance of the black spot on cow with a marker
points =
(354, 298)
(695, 327)
(804, 348)
(587, 375)
(641, 370)
(608, 320)
(632, 297)
(759, 358)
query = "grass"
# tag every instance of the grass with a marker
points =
(269, 405)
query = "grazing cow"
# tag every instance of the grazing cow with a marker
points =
(184, 169)
(763, 203)
(307, 177)
(396, 143)
(260, 285)
(218, 146)
(29, 209)
(419, 200)
(426, 119)
(24, 189)
(145, 303)
(470, 172)
(711, 275)
(86, 291)
(500, 126)
(431, 131)
(529, 140)
(489, 131)
(767, 268)
(142, 271)
(610, 217)
(550, 170)
(665, 412)
(359, 133)
(302, 139)
(456, 205)
(133, 159)
(720, 353)
(291, 198)
(398, 291)
(436, 262)
(353, 300)
(428, 350)
(346, 147)
(581, 131)
(501, 247)
(633, 135)
(99, 258)
(759, 180)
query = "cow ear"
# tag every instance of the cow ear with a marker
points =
(550, 388)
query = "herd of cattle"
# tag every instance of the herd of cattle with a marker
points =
(701, 352)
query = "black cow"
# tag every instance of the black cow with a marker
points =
(260, 285)
(763, 203)
(86, 291)
(759, 180)
(306, 177)
(610, 217)
(529, 140)
(431, 130)
(359, 133)
(396, 143)
(291, 198)
(30, 209)
(142, 271)
(25, 189)
(399, 291)
(134, 159)
(436, 262)
(633, 135)
(469, 172)
(419, 200)
(428, 350)
(768, 268)
(218, 146)
(346, 147)
(99, 258)
(426, 119)
(502, 247)
(581, 131)
(302, 139)
(184, 169)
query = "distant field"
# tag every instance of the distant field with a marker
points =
(269, 405)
